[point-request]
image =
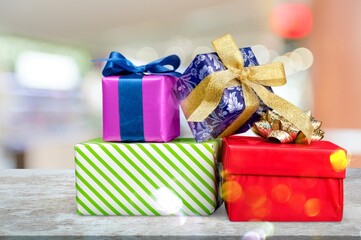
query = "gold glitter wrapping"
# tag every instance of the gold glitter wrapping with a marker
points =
(202, 101)
(276, 128)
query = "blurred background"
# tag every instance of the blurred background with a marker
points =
(50, 91)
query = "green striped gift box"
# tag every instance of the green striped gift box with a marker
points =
(175, 178)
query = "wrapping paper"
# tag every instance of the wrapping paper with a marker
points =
(232, 103)
(176, 178)
(282, 182)
(149, 112)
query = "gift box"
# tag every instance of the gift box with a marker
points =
(232, 103)
(175, 178)
(138, 101)
(140, 108)
(282, 182)
(223, 94)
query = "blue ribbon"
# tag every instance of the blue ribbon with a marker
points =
(117, 65)
(130, 89)
(131, 108)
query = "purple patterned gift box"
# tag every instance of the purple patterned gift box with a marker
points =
(232, 103)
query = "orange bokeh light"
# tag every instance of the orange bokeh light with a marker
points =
(281, 193)
(264, 210)
(231, 191)
(312, 207)
(255, 196)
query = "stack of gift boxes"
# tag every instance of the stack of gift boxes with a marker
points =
(141, 167)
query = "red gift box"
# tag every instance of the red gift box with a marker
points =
(282, 182)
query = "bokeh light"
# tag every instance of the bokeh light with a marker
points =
(306, 56)
(146, 54)
(272, 54)
(30, 63)
(281, 193)
(252, 235)
(181, 41)
(263, 210)
(338, 160)
(296, 60)
(166, 201)
(262, 54)
(231, 191)
(291, 20)
(312, 207)
(268, 228)
(201, 50)
(255, 196)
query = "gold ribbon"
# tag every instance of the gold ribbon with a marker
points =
(275, 128)
(202, 101)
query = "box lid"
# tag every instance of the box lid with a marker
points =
(255, 156)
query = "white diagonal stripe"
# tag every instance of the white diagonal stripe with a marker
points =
(166, 178)
(199, 171)
(118, 183)
(186, 170)
(105, 183)
(92, 195)
(178, 177)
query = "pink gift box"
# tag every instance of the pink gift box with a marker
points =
(160, 109)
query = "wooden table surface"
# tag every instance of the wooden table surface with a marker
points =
(36, 203)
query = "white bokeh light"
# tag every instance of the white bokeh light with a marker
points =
(201, 50)
(272, 54)
(267, 228)
(259, 234)
(262, 54)
(47, 71)
(181, 41)
(252, 235)
(146, 54)
(167, 202)
(306, 56)
(296, 60)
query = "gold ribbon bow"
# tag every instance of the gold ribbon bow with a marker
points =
(275, 128)
(202, 101)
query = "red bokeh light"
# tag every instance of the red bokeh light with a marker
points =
(291, 20)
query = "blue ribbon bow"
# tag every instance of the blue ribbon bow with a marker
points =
(117, 65)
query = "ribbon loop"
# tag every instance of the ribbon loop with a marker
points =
(159, 66)
(202, 101)
(117, 65)
(228, 52)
